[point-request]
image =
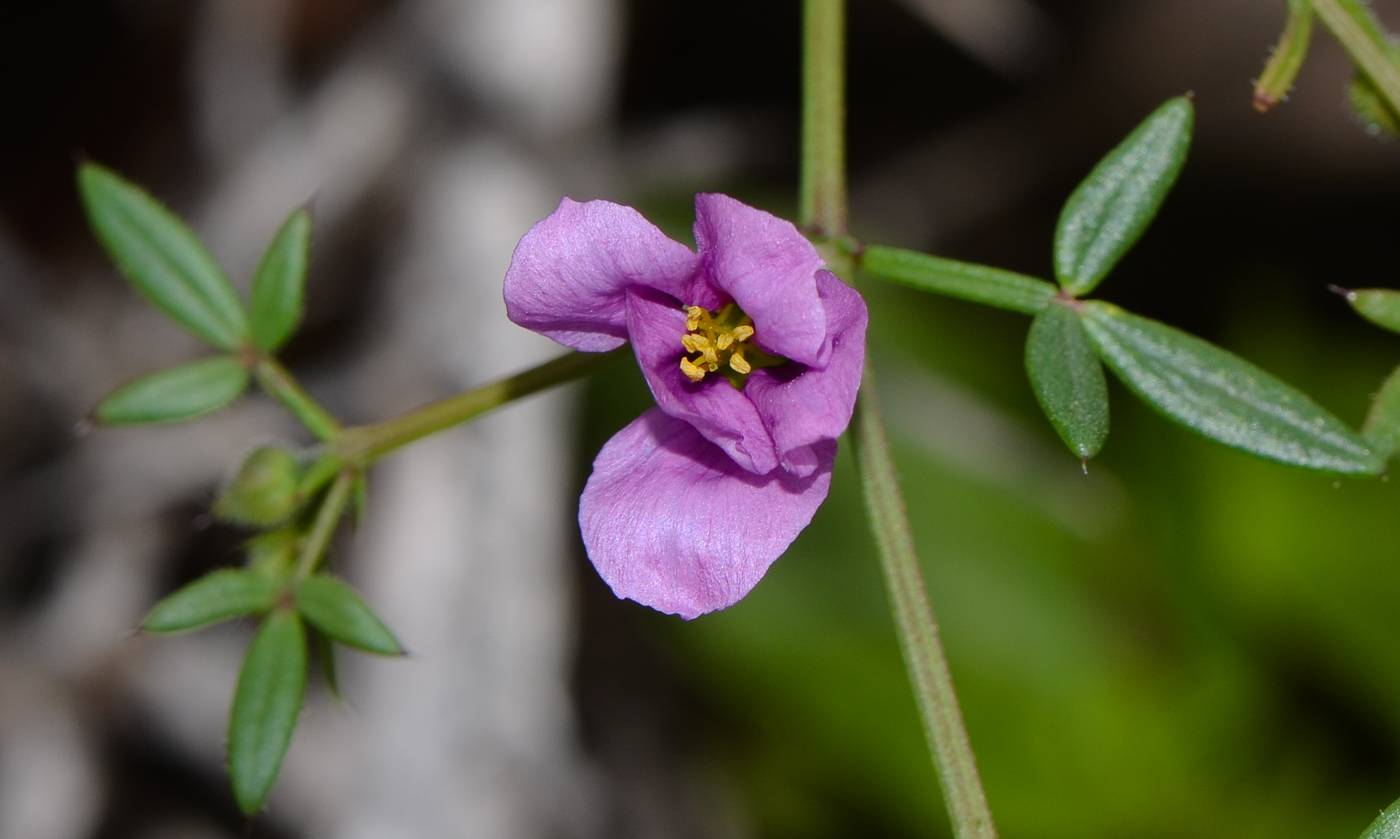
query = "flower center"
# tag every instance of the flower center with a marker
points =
(720, 341)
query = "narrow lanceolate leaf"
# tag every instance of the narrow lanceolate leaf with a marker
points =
(1109, 211)
(178, 393)
(335, 609)
(978, 283)
(1287, 58)
(1380, 306)
(1382, 427)
(1223, 396)
(1371, 108)
(1068, 379)
(265, 707)
(1386, 825)
(279, 285)
(264, 492)
(162, 257)
(215, 597)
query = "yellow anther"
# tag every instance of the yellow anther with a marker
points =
(691, 372)
(693, 316)
(715, 339)
(694, 343)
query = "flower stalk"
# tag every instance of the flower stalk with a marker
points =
(822, 208)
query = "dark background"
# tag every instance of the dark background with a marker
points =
(1200, 644)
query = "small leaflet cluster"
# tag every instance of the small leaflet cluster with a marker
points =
(294, 502)
(1190, 381)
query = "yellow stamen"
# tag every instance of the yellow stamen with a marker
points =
(692, 372)
(714, 340)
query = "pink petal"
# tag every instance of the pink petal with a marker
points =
(717, 410)
(569, 274)
(671, 522)
(769, 269)
(803, 406)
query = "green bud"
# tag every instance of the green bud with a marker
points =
(264, 492)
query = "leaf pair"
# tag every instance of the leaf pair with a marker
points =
(272, 682)
(165, 261)
(1189, 380)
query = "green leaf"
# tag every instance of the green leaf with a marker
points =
(264, 492)
(178, 393)
(280, 283)
(1380, 306)
(1287, 58)
(1386, 825)
(978, 283)
(162, 257)
(265, 707)
(335, 609)
(1222, 396)
(1109, 211)
(1068, 379)
(1382, 426)
(217, 596)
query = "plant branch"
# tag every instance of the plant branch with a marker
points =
(323, 528)
(1364, 40)
(822, 199)
(914, 620)
(279, 382)
(362, 445)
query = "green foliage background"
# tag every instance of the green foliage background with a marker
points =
(1199, 644)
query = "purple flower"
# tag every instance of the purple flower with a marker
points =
(753, 352)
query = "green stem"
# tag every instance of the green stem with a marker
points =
(822, 198)
(1362, 37)
(914, 620)
(282, 386)
(324, 527)
(362, 445)
(822, 212)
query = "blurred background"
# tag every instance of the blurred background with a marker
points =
(1185, 643)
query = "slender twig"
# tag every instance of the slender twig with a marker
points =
(283, 386)
(364, 444)
(918, 630)
(332, 506)
(1361, 36)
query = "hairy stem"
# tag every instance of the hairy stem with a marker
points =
(362, 445)
(1354, 26)
(918, 631)
(279, 382)
(822, 201)
(323, 528)
(822, 208)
